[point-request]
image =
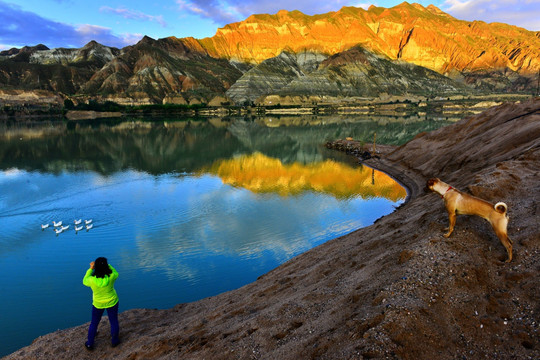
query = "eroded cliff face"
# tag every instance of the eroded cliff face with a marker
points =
(92, 53)
(274, 76)
(155, 69)
(355, 73)
(60, 70)
(424, 36)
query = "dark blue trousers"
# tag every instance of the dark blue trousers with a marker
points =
(112, 313)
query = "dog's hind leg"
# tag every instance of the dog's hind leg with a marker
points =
(500, 227)
(506, 241)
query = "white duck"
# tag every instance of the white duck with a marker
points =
(64, 228)
(86, 222)
(78, 228)
(89, 226)
(77, 222)
(44, 226)
(58, 231)
(57, 224)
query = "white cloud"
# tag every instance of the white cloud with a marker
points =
(12, 172)
(88, 32)
(134, 14)
(91, 30)
(218, 11)
(226, 11)
(6, 47)
(130, 39)
(364, 6)
(523, 13)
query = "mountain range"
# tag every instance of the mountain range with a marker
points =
(405, 50)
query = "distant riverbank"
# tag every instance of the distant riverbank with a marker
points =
(42, 104)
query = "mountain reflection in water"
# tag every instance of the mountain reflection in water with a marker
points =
(262, 174)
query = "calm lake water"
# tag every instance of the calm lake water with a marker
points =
(184, 209)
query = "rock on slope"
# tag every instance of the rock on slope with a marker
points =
(396, 289)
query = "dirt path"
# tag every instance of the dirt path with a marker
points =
(396, 289)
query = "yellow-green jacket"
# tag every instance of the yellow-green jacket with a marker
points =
(103, 292)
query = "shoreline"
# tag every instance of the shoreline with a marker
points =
(396, 289)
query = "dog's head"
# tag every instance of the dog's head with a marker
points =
(431, 183)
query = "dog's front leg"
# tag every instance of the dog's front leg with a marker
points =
(452, 222)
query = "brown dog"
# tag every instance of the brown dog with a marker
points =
(458, 203)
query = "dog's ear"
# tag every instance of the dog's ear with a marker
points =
(429, 185)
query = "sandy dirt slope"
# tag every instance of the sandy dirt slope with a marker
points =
(397, 289)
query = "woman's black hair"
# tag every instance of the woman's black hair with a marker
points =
(101, 267)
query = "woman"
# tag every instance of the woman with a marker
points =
(101, 277)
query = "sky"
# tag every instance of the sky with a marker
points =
(118, 23)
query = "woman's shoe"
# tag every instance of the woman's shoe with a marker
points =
(88, 346)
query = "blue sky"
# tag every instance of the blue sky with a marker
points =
(73, 23)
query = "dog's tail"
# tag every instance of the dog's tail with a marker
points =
(501, 207)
